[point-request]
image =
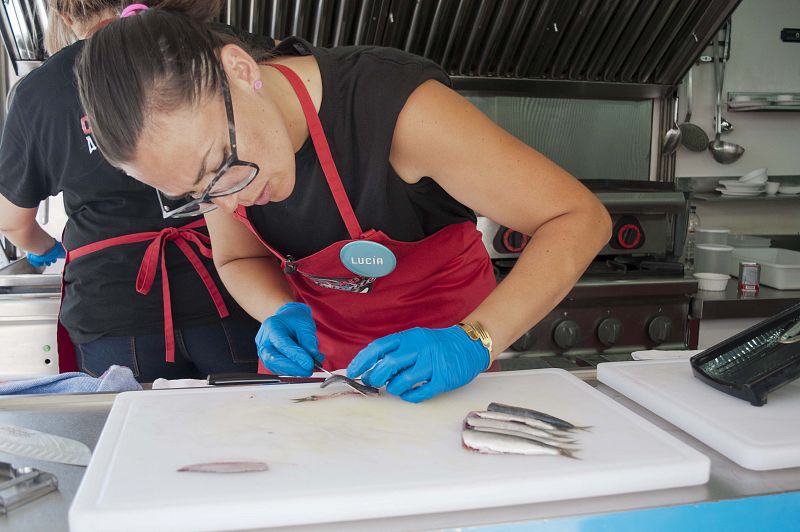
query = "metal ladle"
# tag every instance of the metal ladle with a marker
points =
(672, 138)
(723, 152)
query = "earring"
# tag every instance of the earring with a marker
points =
(257, 84)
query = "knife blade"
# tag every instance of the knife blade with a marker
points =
(230, 379)
(30, 443)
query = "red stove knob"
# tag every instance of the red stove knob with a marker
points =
(629, 236)
(514, 241)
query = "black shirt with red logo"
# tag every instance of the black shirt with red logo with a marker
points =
(46, 149)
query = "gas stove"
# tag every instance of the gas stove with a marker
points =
(633, 296)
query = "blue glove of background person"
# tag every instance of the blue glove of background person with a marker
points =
(55, 253)
(440, 359)
(287, 341)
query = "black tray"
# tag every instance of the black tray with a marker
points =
(756, 361)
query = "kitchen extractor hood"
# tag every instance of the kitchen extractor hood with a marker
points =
(571, 48)
(593, 48)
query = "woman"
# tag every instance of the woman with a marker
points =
(358, 169)
(116, 307)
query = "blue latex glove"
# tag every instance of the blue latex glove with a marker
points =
(440, 359)
(287, 341)
(55, 253)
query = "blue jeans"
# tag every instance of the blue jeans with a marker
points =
(225, 346)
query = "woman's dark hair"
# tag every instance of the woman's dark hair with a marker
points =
(146, 64)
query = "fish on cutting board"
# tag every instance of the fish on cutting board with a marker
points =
(506, 429)
(225, 467)
(494, 443)
(534, 414)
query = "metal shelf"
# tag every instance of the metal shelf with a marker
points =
(764, 101)
(713, 196)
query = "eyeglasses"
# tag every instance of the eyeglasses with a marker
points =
(233, 176)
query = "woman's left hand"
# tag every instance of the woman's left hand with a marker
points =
(418, 364)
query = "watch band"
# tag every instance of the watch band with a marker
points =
(476, 331)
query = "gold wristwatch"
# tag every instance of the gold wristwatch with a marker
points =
(476, 331)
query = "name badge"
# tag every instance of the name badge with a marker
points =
(368, 259)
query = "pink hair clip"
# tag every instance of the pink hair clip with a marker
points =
(133, 9)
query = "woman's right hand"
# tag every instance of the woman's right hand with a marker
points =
(287, 341)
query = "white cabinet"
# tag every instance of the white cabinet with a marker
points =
(28, 334)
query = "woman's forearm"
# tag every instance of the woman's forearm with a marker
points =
(545, 272)
(31, 238)
(257, 284)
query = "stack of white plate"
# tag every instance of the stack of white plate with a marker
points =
(751, 184)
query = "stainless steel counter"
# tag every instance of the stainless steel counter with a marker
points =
(82, 417)
(731, 304)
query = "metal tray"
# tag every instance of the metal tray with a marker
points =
(756, 361)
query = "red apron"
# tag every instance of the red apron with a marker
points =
(438, 281)
(181, 236)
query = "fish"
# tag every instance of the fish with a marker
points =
(354, 384)
(512, 428)
(492, 443)
(225, 467)
(328, 396)
(534, 414)
(534, 423)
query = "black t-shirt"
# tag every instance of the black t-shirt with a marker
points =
(45, 150)
(364, 90)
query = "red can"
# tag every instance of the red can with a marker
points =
(749, 275)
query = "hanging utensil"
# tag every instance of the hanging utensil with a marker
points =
(672, 138)
(693, 137)
(723, 152)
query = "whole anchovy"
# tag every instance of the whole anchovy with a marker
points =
(513, 428)
(358, 386)
(225, 467)
(534, 423)
(492, 443)
(534, 414)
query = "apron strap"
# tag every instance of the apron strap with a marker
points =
(155, 251)
(323, 151)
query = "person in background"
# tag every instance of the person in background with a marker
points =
(138, 290)
(346, 182)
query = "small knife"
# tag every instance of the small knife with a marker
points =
(226, 379)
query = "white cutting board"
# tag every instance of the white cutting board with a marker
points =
(354, 458)
(755, 437)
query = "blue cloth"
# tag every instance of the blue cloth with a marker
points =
(287, 341)
(418, 364)
(116, 379)
(52, 255)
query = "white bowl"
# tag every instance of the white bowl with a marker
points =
(759, 175)
(772, 187)
(712, 282)
(789, 189)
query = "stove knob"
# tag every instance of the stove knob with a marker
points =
(609, 331)
(659, 329)
(567, 334)
(628, 233)
(524, 342)
(514, 241)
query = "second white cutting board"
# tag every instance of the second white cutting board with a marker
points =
(756, 437)
(356, 458)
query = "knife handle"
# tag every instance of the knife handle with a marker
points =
(222, 379)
